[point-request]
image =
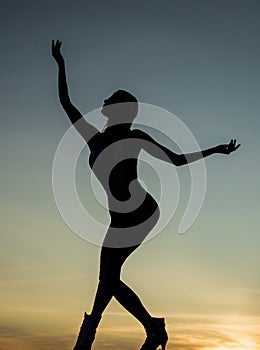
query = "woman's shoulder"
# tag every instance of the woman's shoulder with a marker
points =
(94, 140)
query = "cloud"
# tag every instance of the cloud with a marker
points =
(188, 332)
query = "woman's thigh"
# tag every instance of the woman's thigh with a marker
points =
(119, 244)
(111, 261)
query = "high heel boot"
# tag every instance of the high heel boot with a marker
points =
(156, 334)
(87, 332)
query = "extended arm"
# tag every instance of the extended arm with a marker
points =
(163, 153)
(223, 149)
(85, 129)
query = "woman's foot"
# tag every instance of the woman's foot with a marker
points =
(156, 334)
(87, 332)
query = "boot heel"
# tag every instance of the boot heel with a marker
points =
(156, 334)
(164, 341)
(164, 344)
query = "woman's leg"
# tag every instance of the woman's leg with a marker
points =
(110, 285)
(111, 261)
(131, 302)
(112, 258)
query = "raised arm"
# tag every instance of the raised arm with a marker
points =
(85, 129)
(158, 151)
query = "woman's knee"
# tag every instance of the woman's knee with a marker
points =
(110, 275)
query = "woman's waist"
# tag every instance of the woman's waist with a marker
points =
(129, 198)
(135, 215)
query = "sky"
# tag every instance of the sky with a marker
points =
(198, 59)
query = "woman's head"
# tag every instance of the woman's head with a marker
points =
(121, 107)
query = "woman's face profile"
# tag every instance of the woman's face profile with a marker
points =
(121, 106)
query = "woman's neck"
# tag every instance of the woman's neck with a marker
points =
(121, 126)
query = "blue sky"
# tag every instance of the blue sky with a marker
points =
(197, 59)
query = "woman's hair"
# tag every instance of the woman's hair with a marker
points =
(121, 106)
(120, 96)
(125, 96)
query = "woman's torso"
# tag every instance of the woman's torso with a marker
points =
(113, 159)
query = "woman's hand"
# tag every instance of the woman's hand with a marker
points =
(228, 148)
(55, 50)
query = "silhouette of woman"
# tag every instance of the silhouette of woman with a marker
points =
(134, 212)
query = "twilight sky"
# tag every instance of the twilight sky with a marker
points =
(199, 59)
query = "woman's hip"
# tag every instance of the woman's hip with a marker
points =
(130, 229)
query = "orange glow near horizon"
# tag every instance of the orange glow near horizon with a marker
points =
(119, 331)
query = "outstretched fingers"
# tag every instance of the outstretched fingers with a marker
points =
(237, 146)
(232, 145)
(56, 51)
(56, 45)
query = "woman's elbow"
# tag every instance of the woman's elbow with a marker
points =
(179, 160)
